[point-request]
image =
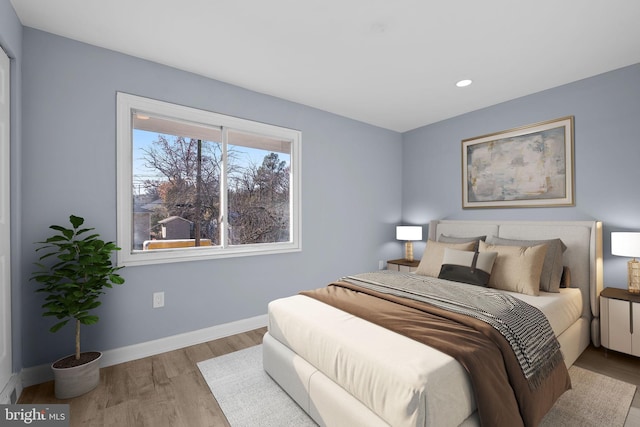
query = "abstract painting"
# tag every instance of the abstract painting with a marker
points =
(530, 166)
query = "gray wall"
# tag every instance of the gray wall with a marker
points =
(351, 176)
(607, 156)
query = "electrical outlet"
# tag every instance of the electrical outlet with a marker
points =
(158, 299)
(380, 265)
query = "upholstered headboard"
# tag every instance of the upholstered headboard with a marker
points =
(583, 255)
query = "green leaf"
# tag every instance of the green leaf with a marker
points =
(76, 221)
(116, 279)
(89, 320)
(57, 326)
(84, 230)
(57, 238)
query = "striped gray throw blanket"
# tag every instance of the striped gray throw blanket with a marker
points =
(525, 327)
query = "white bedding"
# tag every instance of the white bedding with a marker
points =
(428, 387)
(562, 309)
(363, 358)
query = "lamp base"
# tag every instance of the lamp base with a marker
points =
(633, 268)
(408, 251)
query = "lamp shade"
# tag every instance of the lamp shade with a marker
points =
(409, 232)
(625, 244)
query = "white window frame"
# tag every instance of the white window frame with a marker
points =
(126, 103)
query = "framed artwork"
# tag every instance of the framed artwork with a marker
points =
(530, 166)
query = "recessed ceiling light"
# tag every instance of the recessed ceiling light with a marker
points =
(378, 27)
(463, 83)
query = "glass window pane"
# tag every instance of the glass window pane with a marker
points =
(259, 189)
(176, 184)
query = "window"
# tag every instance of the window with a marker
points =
(193, 184)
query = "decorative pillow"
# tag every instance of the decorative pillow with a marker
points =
(467, 267)
(516, 268)
(552, 267)
(453, 239)
(565, 282)
(434, 252)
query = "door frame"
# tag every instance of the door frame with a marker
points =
(8, 380)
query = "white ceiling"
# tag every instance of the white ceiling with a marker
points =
(390, 63)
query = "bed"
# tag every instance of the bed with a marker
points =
(345, 370)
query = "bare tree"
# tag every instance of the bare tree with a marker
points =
(191, 185)
(259, 203)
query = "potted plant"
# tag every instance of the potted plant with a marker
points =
(73, 283)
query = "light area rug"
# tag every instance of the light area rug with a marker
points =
(246, 393)
(249, 397)
(594, 400)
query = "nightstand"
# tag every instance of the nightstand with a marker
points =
(402, 265)
(620, 320)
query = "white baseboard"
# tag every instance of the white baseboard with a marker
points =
(42, 373)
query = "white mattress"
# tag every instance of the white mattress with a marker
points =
(406, 383)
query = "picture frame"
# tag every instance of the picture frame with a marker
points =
(529, 166)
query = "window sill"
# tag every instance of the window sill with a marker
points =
(163, 256)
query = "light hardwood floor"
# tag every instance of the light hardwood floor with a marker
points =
(157, 391)
(168, 390)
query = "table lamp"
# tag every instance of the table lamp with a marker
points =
(408, 233)
(628, 244)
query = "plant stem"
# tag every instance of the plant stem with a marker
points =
(77, 340)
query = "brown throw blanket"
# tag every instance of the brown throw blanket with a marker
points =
(502, 393)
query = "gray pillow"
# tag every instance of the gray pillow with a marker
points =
(552, 267)
(453, 239)
(565, 282)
